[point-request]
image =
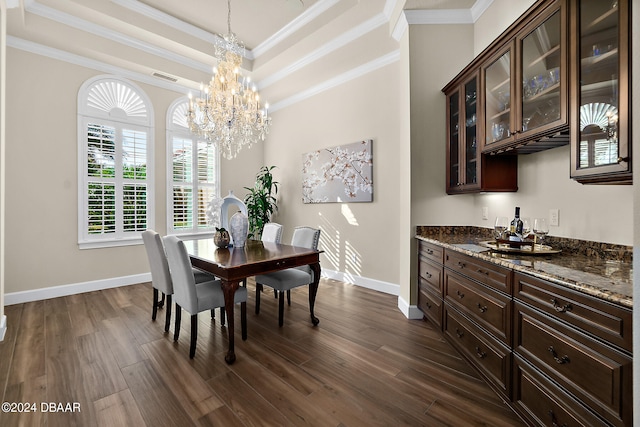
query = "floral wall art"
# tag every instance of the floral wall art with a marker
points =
(338, 174)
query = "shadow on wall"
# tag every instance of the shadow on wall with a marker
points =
(341, 255)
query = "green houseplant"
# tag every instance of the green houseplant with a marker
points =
(261, 201)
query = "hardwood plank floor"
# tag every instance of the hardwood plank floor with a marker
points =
(364, 365)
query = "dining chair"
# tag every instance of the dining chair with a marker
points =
(196, 297)
(161, 278)
(271, 232)
(285, 280)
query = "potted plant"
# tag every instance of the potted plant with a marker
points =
(261, 201)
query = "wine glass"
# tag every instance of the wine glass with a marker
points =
(501, 225)
(526, 227)
(540, 228)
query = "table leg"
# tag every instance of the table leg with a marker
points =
(313, 290)
(229, 289)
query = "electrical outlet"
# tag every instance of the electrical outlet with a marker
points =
(485, 212)
(554, 217)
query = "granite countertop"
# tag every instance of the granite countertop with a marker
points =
(597, 269)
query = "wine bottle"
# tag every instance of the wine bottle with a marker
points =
(515, 227)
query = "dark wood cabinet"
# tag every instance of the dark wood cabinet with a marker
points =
(600, 126)
(525, 85)
(467, 169)
(559, 356)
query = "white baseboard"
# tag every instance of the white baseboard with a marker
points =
(76, 288)
(410, 311)
(3, 326)
(376, 285)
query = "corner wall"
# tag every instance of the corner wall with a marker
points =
(3, 60)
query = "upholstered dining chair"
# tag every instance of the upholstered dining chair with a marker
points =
(193, 297)
(285, 280)
(161, 278)
(272, 232)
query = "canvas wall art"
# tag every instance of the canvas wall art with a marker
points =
(338, 174)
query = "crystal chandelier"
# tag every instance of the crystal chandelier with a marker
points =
(228, 111)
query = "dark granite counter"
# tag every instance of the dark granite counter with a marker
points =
(598, 269)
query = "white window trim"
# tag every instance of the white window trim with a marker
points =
(181, 131)
(115, 118)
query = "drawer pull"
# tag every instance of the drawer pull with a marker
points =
(554, 420)
(481, 354)
(481, 271)
(482, 308)
(459, 333)
(561, 308)
(560, 360)
(461, 264)
(429, 276)
(460, 294)
(429, 252)
(428, 305)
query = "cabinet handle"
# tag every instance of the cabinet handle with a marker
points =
(461, 264)
(460, 294)
(429, 276)
(482, 308)
(561, 308)
(560, 360)
(481, 354)
(459, 333)
(429, 252)
(623, 159)
(428, 305)
(482, 271)
(554, 420)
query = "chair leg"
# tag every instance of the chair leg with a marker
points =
(168, 315)
(194, 335)
(161, 303)
(281, 309)
(213, 313)
(243, 319)
(275, 293)
(154, 311)
(223, 316)
(289, 297)
(176, 328)
(258, 290)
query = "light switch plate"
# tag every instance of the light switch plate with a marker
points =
(554, 217)
(485, 212)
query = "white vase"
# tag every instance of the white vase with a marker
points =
(239, 229)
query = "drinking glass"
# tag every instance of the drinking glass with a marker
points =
(540, 228)
(501, 225)
(526, 227)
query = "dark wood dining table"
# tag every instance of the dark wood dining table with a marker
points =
(235, 265)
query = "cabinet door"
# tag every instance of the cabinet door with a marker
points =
(498, 97)
(542, 89)
(453, 149)
(470, 133)
(600, 131)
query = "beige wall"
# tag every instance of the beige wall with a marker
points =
(41, 192)
(3, 50)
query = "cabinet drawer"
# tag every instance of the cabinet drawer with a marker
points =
(595, 373)
(430, 304)
(488, 355)
(430, 274)
(430, 251)
(543, 403)
(491, 309)
(485, 272)
(606, 321)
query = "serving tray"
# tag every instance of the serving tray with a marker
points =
(523, 248)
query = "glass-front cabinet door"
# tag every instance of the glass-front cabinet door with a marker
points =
(600, 131)
(462, 151)
(542, 65)
(498, 92)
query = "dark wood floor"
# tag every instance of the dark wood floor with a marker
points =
(364, 365)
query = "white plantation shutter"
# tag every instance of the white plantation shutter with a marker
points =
(115, 163)
(193, 174)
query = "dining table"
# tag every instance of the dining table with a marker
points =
(233, 265)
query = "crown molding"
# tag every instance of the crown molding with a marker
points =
(479, 7)
(338, 80)
(61, 55)
(336, 43)
(92, 28)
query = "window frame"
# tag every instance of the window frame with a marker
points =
(117, 117)
(177, 128)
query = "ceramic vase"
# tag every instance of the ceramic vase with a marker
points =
(239, 226)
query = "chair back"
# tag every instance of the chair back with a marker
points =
(306, 237)
(160, 276)
(272, 232)
(184, 283)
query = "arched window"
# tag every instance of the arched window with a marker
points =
(193, 175)
(115, 163)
